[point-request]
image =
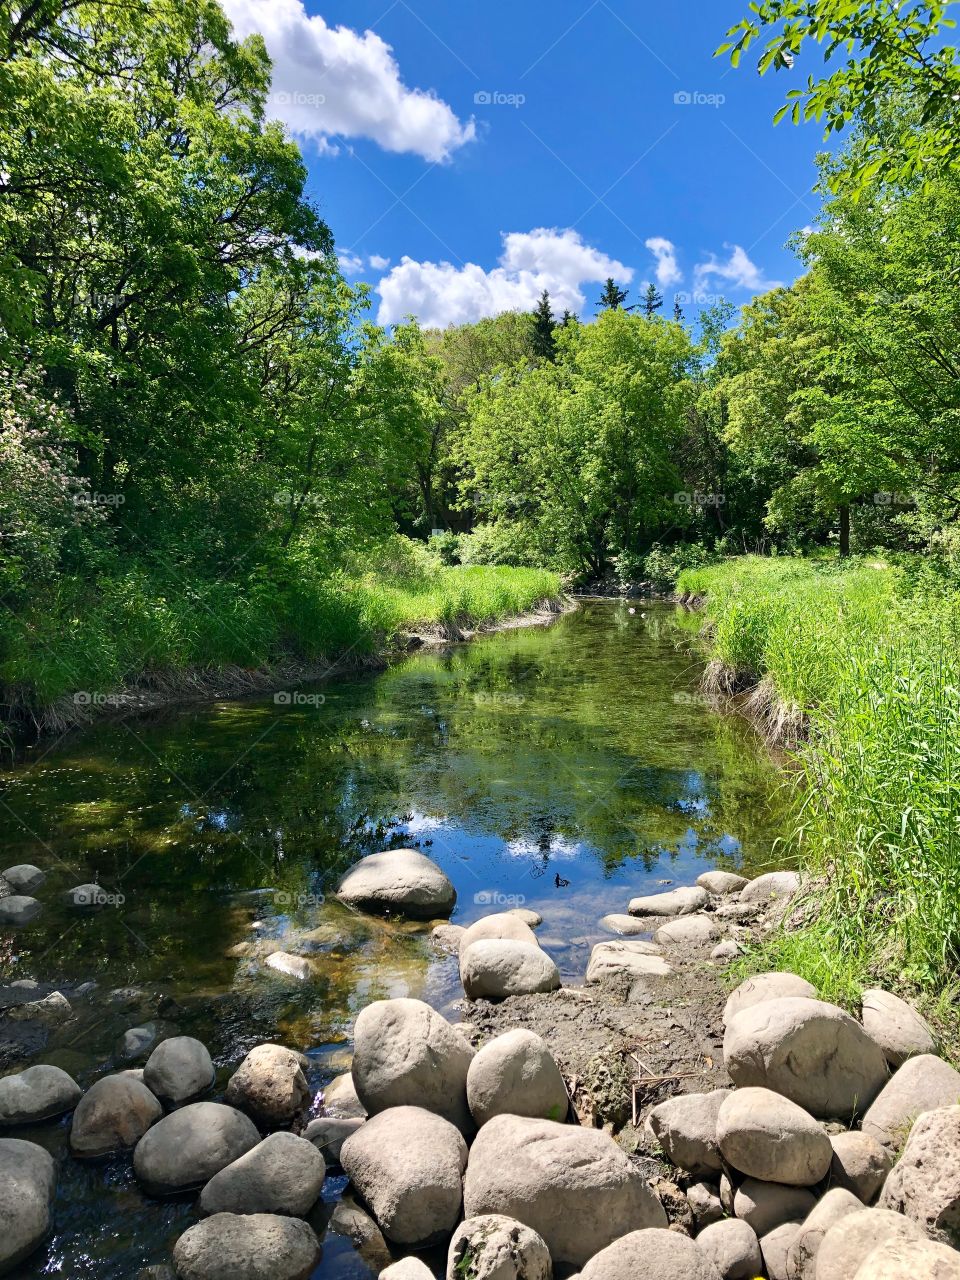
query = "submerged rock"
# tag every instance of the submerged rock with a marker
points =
(28, 1180)
(515, 1074)
(24, 877)
(402, 880)
(231, 1246)
(113, 1115)
(52, 1011)
(292, 966)
(492, 1247)
(493, 970)
(19, 909)
(38, 1093)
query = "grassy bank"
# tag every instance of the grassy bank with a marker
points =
(152, 631)
(866, 658)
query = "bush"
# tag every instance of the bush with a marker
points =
(662, 566)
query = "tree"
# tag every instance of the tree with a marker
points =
(613, 297)
(544, 344)
(652, 301)
(677, 311)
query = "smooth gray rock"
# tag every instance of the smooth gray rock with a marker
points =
(765, 986)
(329, 1133)
(492, 1247)
(88, 897)
(407, 1269)
(851, 1240)
(408, 1165)
(258, 1246)
(575, 1187)
(704, 1201)
(179, 1070)
(515, 1074)
(722, 883)
(447, 937)
(733, 1248)
(896, 1026)
(685, 1126)
(533, 918)
(19, 909)
(493, 970)
(28, 1180)
(38, 1093)
(924, 1083)
(186, 1148)
(626, 926)
(694, 930)
(52, 1011)
(269, 1085)
(113, 1115)
(504, 924)
(860, 1164)
(674, 902)
(137, 1041)
(402, 880)
(652, 1254)
(768, 1205)
(775, 886)
(726, 950)
(802, 1254)
(24, 877)
(775, 1247)
(340, 1098)
(910, 1260)
(282, 1174)
(631, 958)
(290, 966)
(924, 1184)
(766, 1136)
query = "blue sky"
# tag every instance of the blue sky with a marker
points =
(468, 154)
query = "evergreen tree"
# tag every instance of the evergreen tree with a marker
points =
(567, 318)
(652, 300)
(613, 297)
(677, 311)
(544, 346)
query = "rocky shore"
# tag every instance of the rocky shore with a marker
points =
(647, 1123)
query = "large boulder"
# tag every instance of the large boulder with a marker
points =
(340, 1098)
(775, 886)
(492, 1247)
(185, 1149)
(179, 1070)
(910, 1260)
(39, 1093)
(502, 925)
(113, 1115)
(634, 959)
(802, 1254)
(269, 1085)
(768, 1205)
(896, 1026)
(515, 1074)
(769, 1137)
(763, 987)
(407, 1055)
(402, 880)
(720, 883)
(688, 931)
(685, 1126)
(575, 1187)
(625, 925)
(674, 902)
(859, 1164)
(812, 1052)
(924, 1184)
(258, 1246)
(651, 1254)
(408, 1165)
(493, 970)
(28, 1179)
(733, 1248)
(924, 1083)
(851, 1240)
(281, 1174)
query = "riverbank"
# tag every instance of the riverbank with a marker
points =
(856, 667)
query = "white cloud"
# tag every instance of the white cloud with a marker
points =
(738, 271)
(440, 294)
(378, 263)
(667, 269)
(350, 263)
(333, 81)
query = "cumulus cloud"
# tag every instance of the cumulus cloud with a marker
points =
(738, 271)
(350, 263)
(378, 263)
(440, 294)
(667, 269)
(333, 82)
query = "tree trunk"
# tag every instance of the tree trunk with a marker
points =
(844, 530)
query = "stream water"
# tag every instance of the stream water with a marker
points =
(565, 768)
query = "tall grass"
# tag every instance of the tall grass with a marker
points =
(870, 655)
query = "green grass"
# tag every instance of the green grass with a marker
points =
(870, 653)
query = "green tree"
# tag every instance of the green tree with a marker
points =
(613, 297)
(652, 301)
(544, 344)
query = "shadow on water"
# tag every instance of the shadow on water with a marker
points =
(565, 769)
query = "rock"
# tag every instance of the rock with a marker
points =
(401, 880)
(503, 925)
(38, 1093)
(896, 1026)
(775, 1246)
(574, 1186)
(727, 950)
(52, 1011)
(407, 1269)
(328, 1134)
(24, 877)
(691, 931)
(765, 986)
(448, 938)
(492, 1247)
(924, 1184)
(802, 1254)
(704, 1204)
(625, 925)
(28, 1180)
(924, 1083)
(635, 959)
(282, 1174)
(774, 886)
(340, 1099)
(258, 1246)
(767, 1205)
(515, 1074)
(652, 1254)
(685, 1126)
(733, 1248)
(769, 1137)
(137, 1041)
(720, 883)
(675, 902)
(156, 1273)
(533, 918)
(88, 897)
(727, 1194)
(407, 1164)
(812, 1052)
(407, 1055)
(18, 910)
(851, 1240)
(292, 966)
(270, 1085)
(493, 970)
(910, 1260)
(186, 1148)
(179, 1070)
(113, 1115)
(859, 1164)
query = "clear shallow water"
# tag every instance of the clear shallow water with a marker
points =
(579, 751)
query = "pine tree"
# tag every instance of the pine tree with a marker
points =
(613, 297)
(568, 318)
(652, 300)
(544, 344)
(677, 311)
